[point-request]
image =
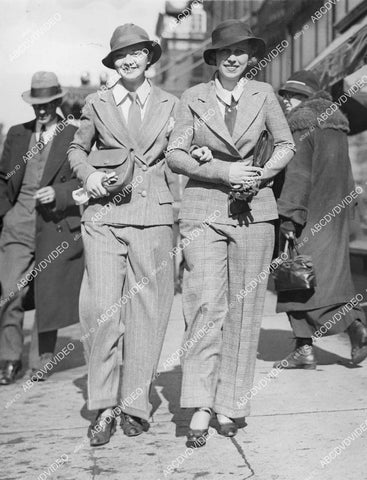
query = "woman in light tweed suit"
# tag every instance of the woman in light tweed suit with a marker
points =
(225, 250)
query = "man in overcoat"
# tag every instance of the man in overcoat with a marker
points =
(40, 239)
(316, 205)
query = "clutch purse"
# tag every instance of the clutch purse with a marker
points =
(295, 273)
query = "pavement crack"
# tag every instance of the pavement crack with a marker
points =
(242, 454)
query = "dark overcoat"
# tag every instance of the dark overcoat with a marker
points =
(59, 259)
(320, 196)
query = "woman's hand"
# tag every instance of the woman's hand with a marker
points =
(239, 173)
(94, 185)
(202, 154)
(45, 195)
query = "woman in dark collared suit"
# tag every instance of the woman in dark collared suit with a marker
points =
(227, 247)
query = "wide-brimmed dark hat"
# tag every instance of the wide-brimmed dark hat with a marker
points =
(45, 88)
(303, 82)
(127, 35)
(229, 32)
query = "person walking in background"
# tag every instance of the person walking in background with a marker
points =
(41, 228)
(318, 179)
(235, 244)
(127, 247)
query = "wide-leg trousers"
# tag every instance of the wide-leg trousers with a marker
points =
(127, 289)
(223, 298)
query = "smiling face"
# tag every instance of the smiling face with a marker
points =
(46, 112)
(131, 62)
(232, 61)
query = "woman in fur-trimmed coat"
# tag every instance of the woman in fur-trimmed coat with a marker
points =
(316, 204)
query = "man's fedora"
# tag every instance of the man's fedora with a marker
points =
(304, 82)
(45, 88)
(229, 32)
(127, 35)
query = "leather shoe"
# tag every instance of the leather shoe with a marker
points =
(358, 338)
(101, 431)
(133, 426)
(40, 368)
(10, 371)
(302, 357)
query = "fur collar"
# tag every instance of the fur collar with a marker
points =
(311, 112)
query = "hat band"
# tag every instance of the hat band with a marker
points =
(45, 92)
(299, 85)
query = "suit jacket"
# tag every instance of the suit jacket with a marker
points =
(102, 123)
(57, 286)
(200, 122)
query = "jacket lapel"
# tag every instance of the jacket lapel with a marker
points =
(249, 105)
(204, 105)
(155, 119)
(112, 118)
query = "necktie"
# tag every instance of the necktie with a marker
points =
(230, 115)
(134, 117)
(42, 137)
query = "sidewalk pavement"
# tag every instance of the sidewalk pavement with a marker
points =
(298, 418)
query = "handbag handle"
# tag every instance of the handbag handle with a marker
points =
(287, 247)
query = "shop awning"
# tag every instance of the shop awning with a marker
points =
(343, 56)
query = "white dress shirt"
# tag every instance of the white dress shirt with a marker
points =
(224, 97)
(122, 99)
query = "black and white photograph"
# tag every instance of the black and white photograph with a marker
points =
(183, 239)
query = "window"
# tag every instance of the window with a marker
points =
(323, 27)
(340, 10)
(308, 40)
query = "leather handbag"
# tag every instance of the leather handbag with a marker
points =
(263, 149)
(118, 160)
(295, 273)
(241, 195)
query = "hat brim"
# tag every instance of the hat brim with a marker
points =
(257, 44)
(294, 89)
(27, 97)
(154, 47)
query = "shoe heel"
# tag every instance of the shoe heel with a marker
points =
(309, 366)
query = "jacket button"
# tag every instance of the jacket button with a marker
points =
(63, 179)
(144, 168)
(143, 193)
(59, 228)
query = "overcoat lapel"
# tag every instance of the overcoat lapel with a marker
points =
(18, 156)
(57, 154)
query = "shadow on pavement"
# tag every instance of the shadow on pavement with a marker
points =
(275, 345)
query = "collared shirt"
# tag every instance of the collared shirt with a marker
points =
(50, 130)
(224, 97)
(122, 99)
